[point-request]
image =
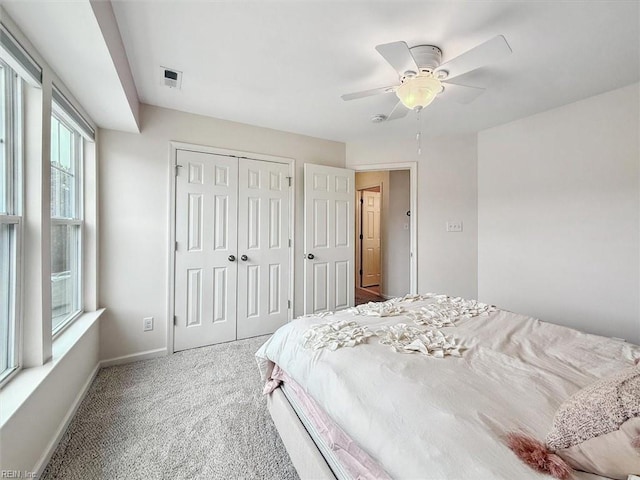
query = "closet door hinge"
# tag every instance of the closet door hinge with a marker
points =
(175, 320)
(289, 179)
(289, 243)
(289, 304)
(175, 247)
(177, 167)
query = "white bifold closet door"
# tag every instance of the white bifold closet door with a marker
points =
(232, 253)
(263, 246)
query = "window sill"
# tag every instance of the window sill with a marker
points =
(64, 325)
(26, 381)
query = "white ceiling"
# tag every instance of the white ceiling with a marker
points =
(284, 65)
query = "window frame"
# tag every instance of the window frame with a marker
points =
(77, 221)
(14, 167)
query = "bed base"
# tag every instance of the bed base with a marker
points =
(305, 456)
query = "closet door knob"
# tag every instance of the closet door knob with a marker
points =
(244, 258)
(232, 258)
(310, 256)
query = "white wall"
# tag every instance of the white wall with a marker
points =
(447, 191)
(559, 207)
(398, 239)
(134, 202)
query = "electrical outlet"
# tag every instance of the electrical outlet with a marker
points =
(147, 324)
(454, 226)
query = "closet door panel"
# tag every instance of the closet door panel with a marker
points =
(263, 247)
(206, 235)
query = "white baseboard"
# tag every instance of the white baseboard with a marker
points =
(44, 460)
(134, 357)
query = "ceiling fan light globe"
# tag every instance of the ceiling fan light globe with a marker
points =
(419, 91)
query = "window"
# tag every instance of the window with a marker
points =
(66, 220)
(10, 216)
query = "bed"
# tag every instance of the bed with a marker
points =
(438, 408)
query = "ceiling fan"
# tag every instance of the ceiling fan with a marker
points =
(423, 76)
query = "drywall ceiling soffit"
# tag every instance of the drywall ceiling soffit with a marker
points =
(284, 65)
(81, 42)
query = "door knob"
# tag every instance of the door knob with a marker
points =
(244, 258)
(232, 258)
(310, 256)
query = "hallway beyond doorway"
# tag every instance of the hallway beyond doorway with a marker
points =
(366, 295)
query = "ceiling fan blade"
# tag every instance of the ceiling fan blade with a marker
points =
(484, 54)
(399, 57)
(398, 111)
(367, 93)
(460, 93)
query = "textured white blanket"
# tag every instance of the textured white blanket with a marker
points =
(444, 418)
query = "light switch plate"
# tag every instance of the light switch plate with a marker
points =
(454, 226)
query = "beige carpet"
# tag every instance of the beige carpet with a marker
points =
(198, 414)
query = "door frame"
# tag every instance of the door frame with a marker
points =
(413, 219)
(174, 147)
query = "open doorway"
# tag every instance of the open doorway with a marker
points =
(383, 235)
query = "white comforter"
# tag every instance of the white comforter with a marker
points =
(422, 417)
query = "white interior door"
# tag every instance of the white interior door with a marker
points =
(328, 238)
(206, 236)
(370, 238)
(263, 247)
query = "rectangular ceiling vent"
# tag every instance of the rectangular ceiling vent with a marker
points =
(171, 78)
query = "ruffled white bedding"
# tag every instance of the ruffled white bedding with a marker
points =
(424, 417)
(333, 335)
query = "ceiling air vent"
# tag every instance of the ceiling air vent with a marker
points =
(171, 78)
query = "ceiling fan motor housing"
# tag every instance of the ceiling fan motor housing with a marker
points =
(427, 57)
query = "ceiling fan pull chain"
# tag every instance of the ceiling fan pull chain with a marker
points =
(419, 134)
